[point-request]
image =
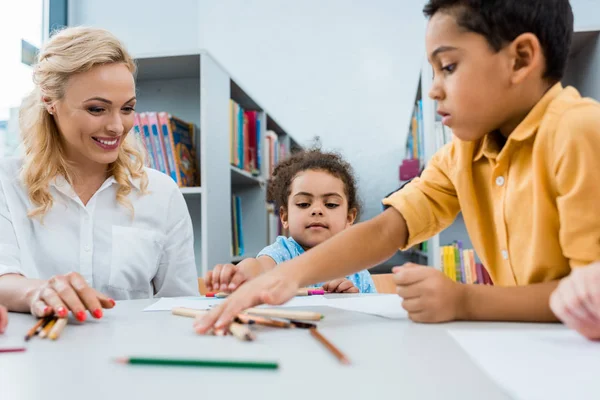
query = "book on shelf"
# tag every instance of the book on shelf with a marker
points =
(169, 144)
(237, 240)
(460, 265)
(244, 138)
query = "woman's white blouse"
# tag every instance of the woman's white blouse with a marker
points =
(125, 256)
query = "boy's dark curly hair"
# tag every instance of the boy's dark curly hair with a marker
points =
(279, 187)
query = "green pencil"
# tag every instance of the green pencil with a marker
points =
(199, 363)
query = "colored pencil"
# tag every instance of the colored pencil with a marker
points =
(303, 325)
(12, 350)
(44, 332)
(57, 329)
(286, 314)
(241, 332)
(340, 356)
(309, 292)
(188, 312)
(255, 319)
(34, 329)
(199, 363)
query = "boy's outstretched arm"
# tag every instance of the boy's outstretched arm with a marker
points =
(362, 246)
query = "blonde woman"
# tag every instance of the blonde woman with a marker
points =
(82, 222)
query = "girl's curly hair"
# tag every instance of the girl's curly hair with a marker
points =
(279, 187)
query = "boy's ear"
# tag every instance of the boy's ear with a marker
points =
(283, 216)
(527, 56)
(352, 213)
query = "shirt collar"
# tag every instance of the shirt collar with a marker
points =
(488, 146)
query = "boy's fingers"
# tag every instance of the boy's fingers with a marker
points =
(216, 275)
(409, 276)
(227, 273)
(238, 278)
(208, 280)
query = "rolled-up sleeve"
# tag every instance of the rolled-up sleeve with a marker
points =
(429, 203)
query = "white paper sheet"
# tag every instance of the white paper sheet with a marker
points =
(536, 364)
(197, 303)
(205, 303)
(382, 305)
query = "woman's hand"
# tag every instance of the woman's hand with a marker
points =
(3, 319)
(63, 293)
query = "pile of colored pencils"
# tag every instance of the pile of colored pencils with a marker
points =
(48, 327)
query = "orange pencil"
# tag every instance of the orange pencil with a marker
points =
(340, 356)
(255, 319)
(34, 329)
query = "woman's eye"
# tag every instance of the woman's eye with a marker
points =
(449, 68)
(95, 110)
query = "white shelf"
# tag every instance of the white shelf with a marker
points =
(191, 190)
(244, 178)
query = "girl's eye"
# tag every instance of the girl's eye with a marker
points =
(332, 205)
(449, 68)
(303, 205)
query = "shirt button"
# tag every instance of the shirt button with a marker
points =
(500, 181)
(505, 254)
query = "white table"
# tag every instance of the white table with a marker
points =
(395, 359)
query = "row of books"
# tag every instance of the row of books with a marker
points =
(237, 240)
(244, 138)
(169, 145)
(276, 151)
(460, 265)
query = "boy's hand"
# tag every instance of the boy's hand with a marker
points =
(274, 287)
(576, 301)
(428, 295)
(228, 277)
(3, 319)
(341, 285)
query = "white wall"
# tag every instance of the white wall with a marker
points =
(587, 14)
(146, 26)
(345, 71)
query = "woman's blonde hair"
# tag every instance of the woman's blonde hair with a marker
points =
(70, 51)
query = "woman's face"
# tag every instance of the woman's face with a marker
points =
(95, 114)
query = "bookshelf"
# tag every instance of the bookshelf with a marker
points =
(582, 72)
(193, 86)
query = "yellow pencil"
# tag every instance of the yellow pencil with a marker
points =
(57, 329)
(47, 328)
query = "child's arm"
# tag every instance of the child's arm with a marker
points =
(228, 277)
(351, 250)
(430, 296)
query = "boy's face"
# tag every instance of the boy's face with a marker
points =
(471, 81)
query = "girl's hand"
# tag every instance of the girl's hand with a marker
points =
(63, 293)
(341, 285)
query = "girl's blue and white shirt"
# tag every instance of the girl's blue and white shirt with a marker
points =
(284, 249)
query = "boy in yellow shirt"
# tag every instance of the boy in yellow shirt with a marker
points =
(524, 173)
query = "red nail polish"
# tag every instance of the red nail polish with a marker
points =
(97, 313)
(62, 312)
(80, 316)
(112, 302)
(46, 309)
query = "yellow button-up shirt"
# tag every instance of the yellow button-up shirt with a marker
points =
(531, 205)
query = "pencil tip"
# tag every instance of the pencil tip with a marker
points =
(122, 360)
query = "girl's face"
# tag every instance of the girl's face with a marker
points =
(96, 113)
(317, 208)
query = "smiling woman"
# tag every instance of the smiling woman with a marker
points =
(78, 221)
